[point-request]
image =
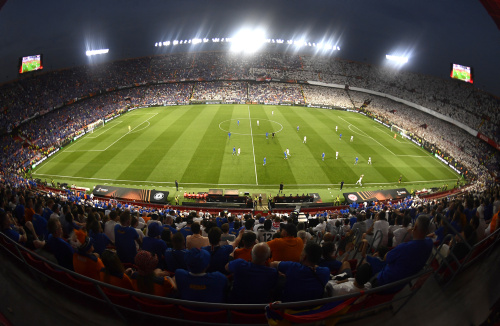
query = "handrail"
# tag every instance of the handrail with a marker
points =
(226, 306)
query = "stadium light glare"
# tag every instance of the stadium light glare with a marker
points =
(248, 41)
(175, 42)
(96, 52)
(398, 59)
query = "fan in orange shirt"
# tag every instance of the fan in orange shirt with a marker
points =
(85, 262)
(249, 240)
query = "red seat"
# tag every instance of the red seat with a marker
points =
(219, 316)
(56, 274)
(246, 318)
(156, 307)
(119, 298)
(34, 262)
(84, 286)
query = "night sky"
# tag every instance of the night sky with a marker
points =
(434, 33)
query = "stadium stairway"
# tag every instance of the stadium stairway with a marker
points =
(466, 301)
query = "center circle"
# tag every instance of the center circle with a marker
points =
(258, 134)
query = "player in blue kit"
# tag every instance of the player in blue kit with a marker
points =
(323, 156)
(264, 161)
(356, 161)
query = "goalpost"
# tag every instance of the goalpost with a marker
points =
(94, 125)
(398, 130)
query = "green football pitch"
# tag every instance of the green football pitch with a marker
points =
(153, 147)
(30, 65)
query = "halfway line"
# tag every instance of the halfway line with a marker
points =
(253, 149)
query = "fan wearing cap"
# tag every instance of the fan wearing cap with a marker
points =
(154, 244)
(149, 279)
(196, 284)
(84, 261)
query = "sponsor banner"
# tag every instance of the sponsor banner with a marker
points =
(106, 120)
(375, 195)
(138, 195)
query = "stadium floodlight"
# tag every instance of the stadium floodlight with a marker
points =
(289, 41)
(205, 40)
(338, 48)
(96, 52)
(175, 42)
(248, 41)
(280, 41)
(398, 59)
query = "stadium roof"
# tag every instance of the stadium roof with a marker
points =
(493, 8)
(432, 34)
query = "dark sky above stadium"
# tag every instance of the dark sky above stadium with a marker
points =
(433, 33)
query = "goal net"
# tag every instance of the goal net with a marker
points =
(94, 125)
(398, 130)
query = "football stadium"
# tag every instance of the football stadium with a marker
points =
(247, 180)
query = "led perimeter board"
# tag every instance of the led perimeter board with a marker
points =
(30, 63)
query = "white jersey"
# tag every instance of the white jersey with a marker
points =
(287, 152)
(305, 139)
(336, 155)
(265, 235)
(239, 151)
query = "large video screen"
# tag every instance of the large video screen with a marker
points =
(30, 63)
(462, 73)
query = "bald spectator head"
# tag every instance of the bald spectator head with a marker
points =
(260, 253)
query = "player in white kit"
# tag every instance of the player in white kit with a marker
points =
(360, 179)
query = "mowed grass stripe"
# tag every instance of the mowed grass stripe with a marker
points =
(185, 143)
(111, 161)
(193, 149)
(205, 165)
(76, 156)
(240, 167)
(319, 136)
(277, 168)
(153, 144)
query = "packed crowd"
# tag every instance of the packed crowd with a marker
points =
(226, 91)
(24, 98)
(275, 93)
(189, 255)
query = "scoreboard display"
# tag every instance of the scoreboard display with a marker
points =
(30, 63)
(463, 73)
